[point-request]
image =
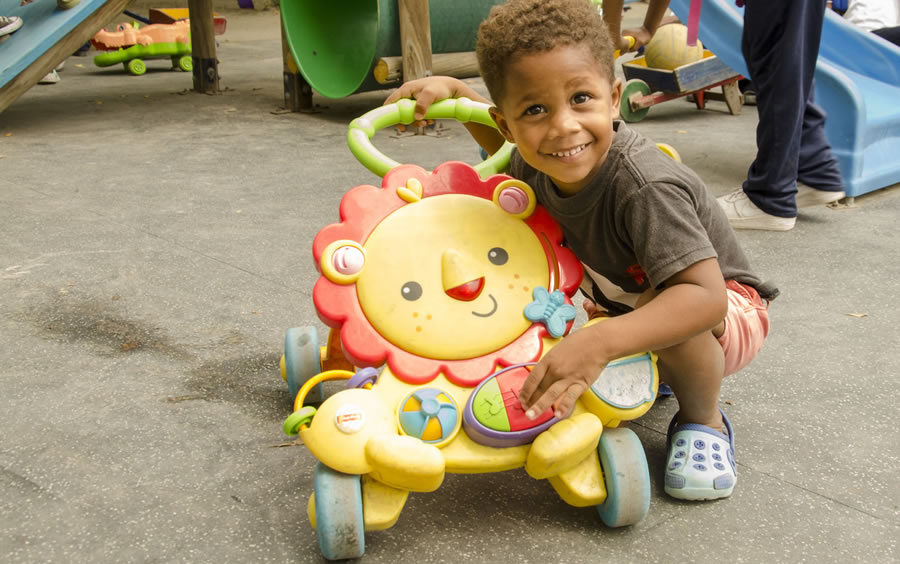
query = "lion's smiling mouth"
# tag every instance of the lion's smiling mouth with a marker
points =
(490, 313)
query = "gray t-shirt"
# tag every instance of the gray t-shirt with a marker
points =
(644, 218)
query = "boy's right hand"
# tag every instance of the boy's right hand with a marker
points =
(431, 89)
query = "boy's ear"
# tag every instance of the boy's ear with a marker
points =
(501, 122)
(616, 95)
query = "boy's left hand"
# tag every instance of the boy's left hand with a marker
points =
(562, 375)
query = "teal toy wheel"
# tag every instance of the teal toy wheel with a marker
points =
(339, 514)
(464, 110)
(626, 477)
(184, 62)
(302, 361)
(634, 90)
(136, 67)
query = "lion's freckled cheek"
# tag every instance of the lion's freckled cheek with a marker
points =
(416, 315)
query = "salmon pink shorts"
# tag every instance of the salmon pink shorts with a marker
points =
(746, 325)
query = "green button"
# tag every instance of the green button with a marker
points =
(488, 408)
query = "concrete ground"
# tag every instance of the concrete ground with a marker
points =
(155, 245)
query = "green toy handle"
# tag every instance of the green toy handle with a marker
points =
(463, 110)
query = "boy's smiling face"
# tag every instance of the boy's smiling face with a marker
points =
(559, 108)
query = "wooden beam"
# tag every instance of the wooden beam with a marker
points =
(203, 47)
(458, 65)
(297, 91)
(415, 38)
(60, 51)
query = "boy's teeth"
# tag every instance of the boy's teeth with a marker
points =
(570, 152)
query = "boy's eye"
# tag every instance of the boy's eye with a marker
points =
(534, 110)
(581, 98)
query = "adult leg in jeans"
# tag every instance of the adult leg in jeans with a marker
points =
(780, 44)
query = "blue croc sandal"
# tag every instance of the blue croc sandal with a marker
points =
(700, 462)
(664, 391)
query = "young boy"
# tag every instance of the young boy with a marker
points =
(658, 252)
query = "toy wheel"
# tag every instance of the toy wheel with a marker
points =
(626, 477)
(136, 67)
(634, 88)
(302, 361)
(359, 137)
(184, 63)
(339, 514)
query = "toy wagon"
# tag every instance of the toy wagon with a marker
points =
(441, 289)
(646, 86)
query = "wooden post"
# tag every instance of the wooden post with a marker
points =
(203, 47)
(415, 41)
(415, 38)
(297, 92)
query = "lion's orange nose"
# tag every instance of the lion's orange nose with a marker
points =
(468, 291)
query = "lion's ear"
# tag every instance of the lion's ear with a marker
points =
(343, 261)
(515, 198)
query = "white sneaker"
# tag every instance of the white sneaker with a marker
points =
(808, 196)
(9, 24)
(50, 78)
(742, 213)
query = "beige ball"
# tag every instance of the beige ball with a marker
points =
(669, 49)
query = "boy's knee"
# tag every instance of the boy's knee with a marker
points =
(700, 353)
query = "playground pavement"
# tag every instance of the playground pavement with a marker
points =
(155, 245)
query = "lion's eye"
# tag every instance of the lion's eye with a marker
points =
(412, 291)
(498, 256)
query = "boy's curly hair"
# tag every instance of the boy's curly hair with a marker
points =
(521, 27)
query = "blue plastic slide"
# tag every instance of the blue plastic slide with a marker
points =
(857, 83)
(46, 38)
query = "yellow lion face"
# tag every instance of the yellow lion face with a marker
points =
(444, 273)
(448, 277)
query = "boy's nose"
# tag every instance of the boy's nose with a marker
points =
(565, 121)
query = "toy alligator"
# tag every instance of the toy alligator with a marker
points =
(131, 45)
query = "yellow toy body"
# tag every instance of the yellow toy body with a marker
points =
(453, 286)
(436, 291)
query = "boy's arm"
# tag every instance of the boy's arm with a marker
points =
(428, 90)
(693, 301)
(642, 35)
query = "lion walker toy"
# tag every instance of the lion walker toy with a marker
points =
(441, 290)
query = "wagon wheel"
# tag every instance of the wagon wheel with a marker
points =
(635, 89)
(626, 476)
(339, 514)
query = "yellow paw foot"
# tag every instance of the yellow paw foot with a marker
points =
(405, 462)
(563, 446)
(583, 485)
